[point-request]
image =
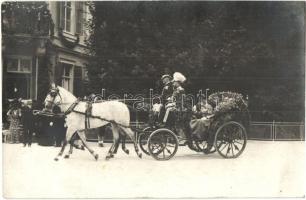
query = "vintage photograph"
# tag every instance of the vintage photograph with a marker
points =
(153, 99)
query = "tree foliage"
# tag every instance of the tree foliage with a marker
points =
(255, 48)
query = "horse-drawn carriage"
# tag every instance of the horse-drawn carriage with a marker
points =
(226, 129)
(227, 126)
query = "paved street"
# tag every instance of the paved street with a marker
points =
(265, 169)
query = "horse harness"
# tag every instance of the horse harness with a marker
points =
(88, 114)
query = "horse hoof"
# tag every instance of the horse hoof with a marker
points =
(109, 157)
(127, 151)
(82, 148)
(140, 155)
(66, 156)
(96, 156)
(56, 159)
(101, 145)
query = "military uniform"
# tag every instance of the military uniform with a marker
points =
(166, 93)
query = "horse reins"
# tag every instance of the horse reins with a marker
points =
(89, 115)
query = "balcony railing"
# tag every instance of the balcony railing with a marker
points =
(33, 18)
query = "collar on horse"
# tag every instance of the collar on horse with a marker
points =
(87, 112)
(70, 109)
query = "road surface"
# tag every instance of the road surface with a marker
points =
(265, 169)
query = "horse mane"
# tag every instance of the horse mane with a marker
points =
(65, 94)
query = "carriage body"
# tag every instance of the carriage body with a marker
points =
(228, 126)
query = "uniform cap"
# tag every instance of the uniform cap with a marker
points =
(165, 76)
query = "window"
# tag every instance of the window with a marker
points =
(80, 9)
(19, 65)
(67, 76)
(67, 21)
(12, 65)
(65, 15)
(19, 77)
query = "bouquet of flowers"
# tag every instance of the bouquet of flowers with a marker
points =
(227, 102)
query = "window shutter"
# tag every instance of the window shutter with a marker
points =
(60, 14)
(79, 17)
(59, 69)
(78, 87)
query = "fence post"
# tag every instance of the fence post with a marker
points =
(136, 132)
(273, 131)
(301, 131)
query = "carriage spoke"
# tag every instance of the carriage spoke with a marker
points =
(223, 147)
(168, 150)
(232, 149)
(236, 147)
(228, 150)
(235, 141)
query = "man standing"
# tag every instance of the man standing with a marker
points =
(28, 123)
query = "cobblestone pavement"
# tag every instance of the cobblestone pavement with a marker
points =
(265, 169)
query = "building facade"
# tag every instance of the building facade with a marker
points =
(43, 42)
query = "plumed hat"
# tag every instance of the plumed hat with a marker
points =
(179, 77)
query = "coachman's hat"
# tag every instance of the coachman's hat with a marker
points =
(165, 76)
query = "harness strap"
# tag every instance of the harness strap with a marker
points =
(101, 118)
(70, 109)
(88, 114)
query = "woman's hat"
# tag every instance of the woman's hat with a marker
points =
(179, 77)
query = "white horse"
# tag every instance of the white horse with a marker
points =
(103, 113)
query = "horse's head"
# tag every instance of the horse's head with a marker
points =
(59, 96)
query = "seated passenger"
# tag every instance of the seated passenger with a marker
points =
(202, 113)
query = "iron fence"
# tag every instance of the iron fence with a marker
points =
(269, 131)
(277, 131)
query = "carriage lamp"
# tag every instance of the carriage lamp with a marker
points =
(15, 89)
(51, 123)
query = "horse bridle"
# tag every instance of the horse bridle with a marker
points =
(54, 94)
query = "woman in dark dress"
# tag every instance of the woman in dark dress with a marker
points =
(14, 114)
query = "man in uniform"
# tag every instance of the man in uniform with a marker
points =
(165, 96)
(167, 89)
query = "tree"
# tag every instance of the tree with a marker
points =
(241, 46)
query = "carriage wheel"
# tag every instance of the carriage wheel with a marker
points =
(162, 144)
(230, 139)
(143, 139)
